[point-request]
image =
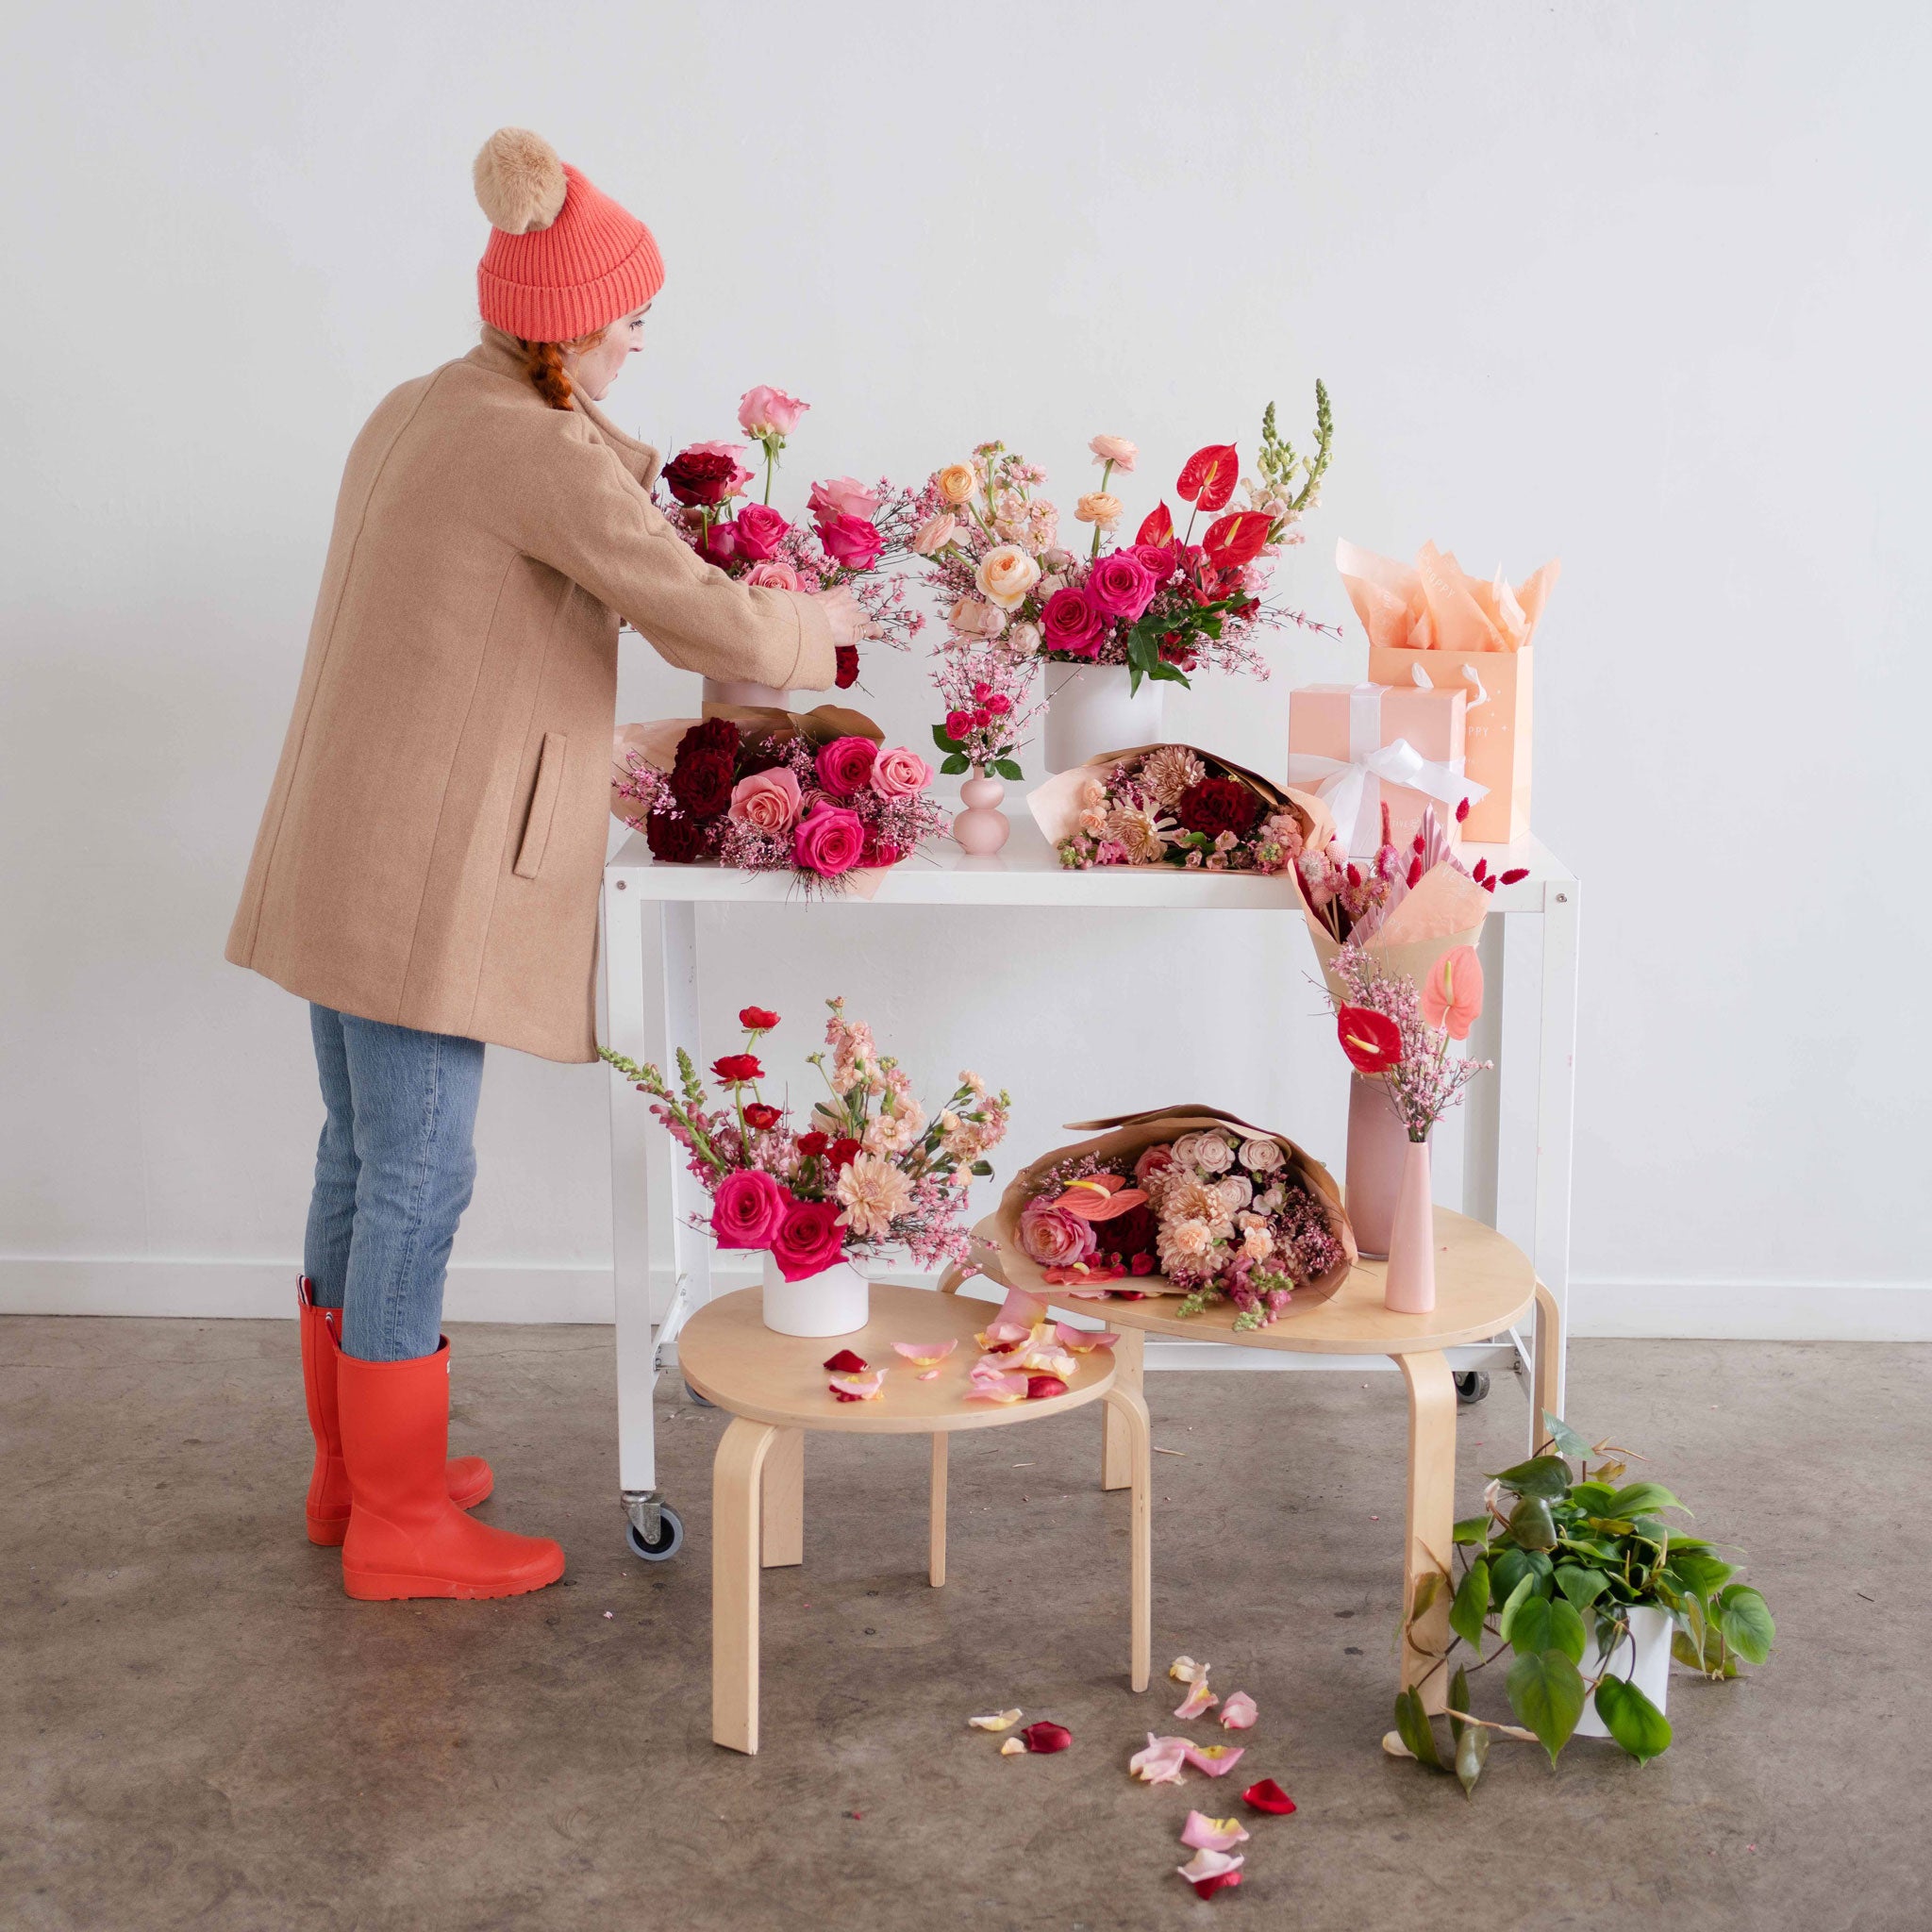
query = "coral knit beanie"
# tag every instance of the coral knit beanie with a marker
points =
(563, 260)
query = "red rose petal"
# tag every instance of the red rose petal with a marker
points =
(1046, 1735)
(1207, 1887)
(847, 1363)
(1268, 1796)
(1038, 1389)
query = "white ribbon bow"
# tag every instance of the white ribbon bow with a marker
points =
(1352, 789)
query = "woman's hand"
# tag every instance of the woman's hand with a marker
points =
(846, 615)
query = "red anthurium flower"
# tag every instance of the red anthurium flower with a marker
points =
(1046, 1735)
(736, 1068)
(843, 1153)
(757, 1019)
(1268, 1796)
(1235, 539)
(1038, 1389)
(1156, 526)
(813, 1143)
(847, 1363)
(1207, 1887)
(1372, 1041)
(1207, 477)
(758, 1114)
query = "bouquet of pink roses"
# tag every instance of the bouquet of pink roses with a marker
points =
(868, 1172)
(1164, 604)
(857, 528)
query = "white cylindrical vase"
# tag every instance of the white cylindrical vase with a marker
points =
(1642, 1658)
(1091, 710)
(835, 1301)
(725, 690)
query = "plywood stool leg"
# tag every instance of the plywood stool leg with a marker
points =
(1116, 1442)
(1430, 1544)
(735, 1511)
(1545, 1361)
(781, 1530)
(935, 1562)
(1126, 1406)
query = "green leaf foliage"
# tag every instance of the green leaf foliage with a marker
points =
(1542, 1475)
(1744, 1619)
(1637, 1499)
(1007, 768)
(943, 742)
(1543, 1623)
(1563, 1439)
(1472, 1741)
(1472, 1529)
(1512, 1606)
(1582, 1587)
(1546, 1695)
(1472, 1604)
(1633, 1719)
(1531, 1526)
(1694, 1571)
(956, 764)
(1412, 1727)
(1509, 1565)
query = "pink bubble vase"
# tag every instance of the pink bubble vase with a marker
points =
(1410, 1288)
(981, 828)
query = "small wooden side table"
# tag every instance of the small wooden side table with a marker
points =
(775, 1388)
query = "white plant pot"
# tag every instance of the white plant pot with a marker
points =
(724, 691)
(837, 1301)
(1642, 1658)
(1090, 710)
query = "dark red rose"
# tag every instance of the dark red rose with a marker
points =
(1214, 805)
(767, 755)
(758, 1114)
(676, 838)
(813, 1143)
(736, 1067)
(1126, 1236)
(848, 666)
(702, 785)
(845, 1151)
(700, 476)
(710, 734)
(757, 1019)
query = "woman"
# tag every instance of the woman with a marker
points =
(428, 867)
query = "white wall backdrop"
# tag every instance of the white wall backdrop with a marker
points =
(1642, 286)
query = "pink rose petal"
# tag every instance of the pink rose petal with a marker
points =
(1212, 1834)
(926, 1375)
(926, 1353)
(1211, 1871)
(1161, 1762)
(1199, 1699)
(1240, 1712)
(997, 1389)
(859, 1387)
(1082, 1340)
(1020, 1310)
(1217, 1760)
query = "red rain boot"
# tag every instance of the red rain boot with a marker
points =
(469, 1477)
(406, 1538)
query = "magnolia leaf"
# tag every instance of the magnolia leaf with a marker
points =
(1472, 1604)
(1412, 1727)
(1563, 1439)
(1582, 1587)
(1531, 1526)
(1633, 1719)
(1639, 1499)
(1745, 1618)
(1542, 1475)
(1546, 1693)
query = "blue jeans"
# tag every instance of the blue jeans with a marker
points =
(394, 1172)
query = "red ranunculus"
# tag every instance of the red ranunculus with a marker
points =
(702, 785)
(851, 542)
(1214, 805)
(736, 1068)
(700, 476)
(761, 530)
(809, 1239)
(1071, 622)
(674, 839)
(845, 765)
(1207, 477)
(1237, 538)
(813, 1143)
(843, 1152)
(1372, 1041)
(758, 1113)
(1156, 526)
(757, 1019)
(846, 656)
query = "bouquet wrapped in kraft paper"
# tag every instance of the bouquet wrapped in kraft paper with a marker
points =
(1169, 805)
(814, 793)
(1185, 1200)
(1434, 627)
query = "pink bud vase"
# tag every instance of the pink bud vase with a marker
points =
(1377, 1147)
(981, 828)
(1411, 1287)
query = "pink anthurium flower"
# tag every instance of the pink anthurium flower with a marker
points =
(926, 1353)
(1100, 1197)
(1212, 1834)
(1211, 1871)
(1217, 1760)
(1452, 994)
(1199, 1700)
(1240, 1712)
(1161, 1762)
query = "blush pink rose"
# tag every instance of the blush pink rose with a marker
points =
(773, 575)
(1053, 1237)
(767, 801)
(768, 412)
(828, 840)
(899, 772)
(748, 1210)
(845, 765)
(842, 496)
(850, 541)
(761, 530)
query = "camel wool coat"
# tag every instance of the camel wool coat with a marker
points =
(434, 840)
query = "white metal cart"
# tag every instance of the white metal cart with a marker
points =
(1515, 1130)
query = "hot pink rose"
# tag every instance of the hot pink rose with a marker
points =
(1156, 559)
(842, 496)
(768, 412)
(899, 772)
(774, 575)
(761, 530)
(851, 541)
(1072, 621)
(1053, 1237)
(845, 765)
(748, 1210)
(1121, 585)
(767, 801)
(828, 840)
(720, 543)
(809, 1239)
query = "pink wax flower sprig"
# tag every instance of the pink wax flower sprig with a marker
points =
(990, 701)
(1415, 1066)
(867, 1174)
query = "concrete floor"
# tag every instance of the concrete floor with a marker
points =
(202, 1731)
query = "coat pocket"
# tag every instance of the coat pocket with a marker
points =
(542, 805)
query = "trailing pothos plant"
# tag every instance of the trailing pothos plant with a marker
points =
(1551, 1570)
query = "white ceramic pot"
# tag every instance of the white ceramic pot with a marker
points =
(1090, 710)
(724, 691)
(837, 1301)
(1643, 1658)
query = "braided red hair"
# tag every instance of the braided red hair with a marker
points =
(544, 362)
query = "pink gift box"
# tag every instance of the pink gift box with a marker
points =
(1360, 746)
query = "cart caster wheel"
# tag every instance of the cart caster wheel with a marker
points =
(697, 1400)
(670, 1537)
(1470, 1388)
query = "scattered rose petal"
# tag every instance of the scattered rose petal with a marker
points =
(996, 1721)
(1221, 1881)
(859, 1387)
(1240, 1712)
(1020, 1310)
(1048, 1361)
(997, 1389)
(1199, 1698)
(1004, 1335)
(1184, 1670)
(926, 1375)
(1161, 1762)
(1082, 1340)
(1212, 1834)
(1269, 1796)
(1080, 1277)
(847, 1363)
(1043, 1388)
(926, 1353)
(1013, 1748)
(1217, 1760)
(1211, 1872)
(1047, 1736)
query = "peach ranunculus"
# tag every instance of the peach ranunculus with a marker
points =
(1099, 507)
(958, 482)
(1116, 450)
(972, 619)
(933, 535)
(1006, 574)
(773, 575)
(897, 772)
(767, 801)
(767, 411)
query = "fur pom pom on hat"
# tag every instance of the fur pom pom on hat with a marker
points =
(563, 259)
